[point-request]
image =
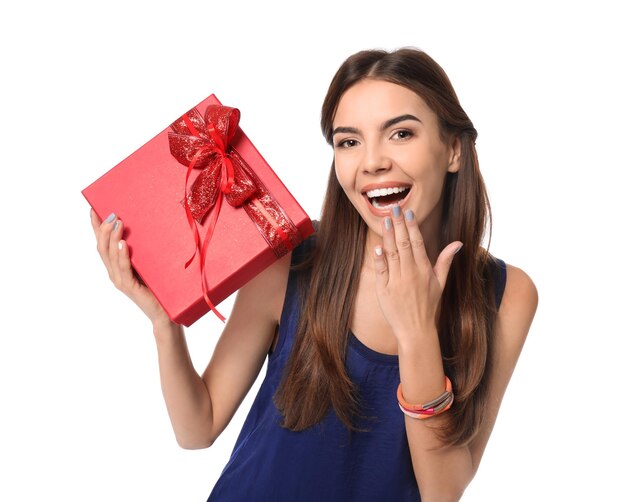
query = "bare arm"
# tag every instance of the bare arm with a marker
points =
(444, 473)
(200, 408)
(409, 290)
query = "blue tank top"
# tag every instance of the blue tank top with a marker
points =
(324, 462)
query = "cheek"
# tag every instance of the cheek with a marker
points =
(344, 177)
(434, 188)
(428, 166)
(433, 182)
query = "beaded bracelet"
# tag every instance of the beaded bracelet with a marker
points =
(435, 407)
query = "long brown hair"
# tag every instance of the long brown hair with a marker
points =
(315, 377)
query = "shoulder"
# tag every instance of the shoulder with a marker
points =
(515, 316)
(263, 295)
(520, 298)
(516, 293)
(516, 313)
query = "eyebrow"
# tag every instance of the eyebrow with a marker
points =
(387, 124)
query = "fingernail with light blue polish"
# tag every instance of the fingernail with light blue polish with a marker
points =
(409, 215)
(110, 218)
(387, 223)
(396, 211)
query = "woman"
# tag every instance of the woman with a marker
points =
(398, 332)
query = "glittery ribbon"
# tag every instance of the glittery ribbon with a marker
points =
(204, 143)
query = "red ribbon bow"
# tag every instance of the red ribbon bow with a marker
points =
(204, 143)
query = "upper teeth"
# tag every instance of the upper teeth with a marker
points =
(381, 192)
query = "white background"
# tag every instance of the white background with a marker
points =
(87, 83)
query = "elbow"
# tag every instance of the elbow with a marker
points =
(194, 434)
(194, 443)
(450, 495)
(446, 476)
(448, 492)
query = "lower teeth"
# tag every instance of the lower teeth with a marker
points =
(379, 206)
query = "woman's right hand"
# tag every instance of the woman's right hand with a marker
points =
(114, 254)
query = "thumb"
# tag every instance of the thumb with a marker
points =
(380, 266)
(444, 262)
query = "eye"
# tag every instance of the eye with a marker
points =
(346, 143)
(402, 134)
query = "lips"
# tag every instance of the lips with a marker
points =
(382, 197)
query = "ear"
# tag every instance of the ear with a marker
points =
(454, 160)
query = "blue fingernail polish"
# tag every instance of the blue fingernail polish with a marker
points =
(396, 211)
(409, 215)
(110, 218)
(387, 223)
(116, 226)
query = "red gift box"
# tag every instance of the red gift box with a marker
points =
(147, 191)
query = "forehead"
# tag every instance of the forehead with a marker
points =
(375, 101)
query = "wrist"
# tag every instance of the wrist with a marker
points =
(165, 329)
(412, 339)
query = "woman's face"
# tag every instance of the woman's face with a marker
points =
(388, 151)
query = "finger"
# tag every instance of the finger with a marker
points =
(417, 241)
(103, 238)
(444, 262)
(389, 247)
(380, 266)
(95, 222)
(403, 241)
(114, 253)
(123, 260)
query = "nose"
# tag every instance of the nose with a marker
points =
(375, 160)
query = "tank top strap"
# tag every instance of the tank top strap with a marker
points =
(498, 271)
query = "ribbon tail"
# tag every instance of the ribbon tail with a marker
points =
(205, 246)
(196, 235)
(190, 220)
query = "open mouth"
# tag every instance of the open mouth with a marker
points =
(382, 198)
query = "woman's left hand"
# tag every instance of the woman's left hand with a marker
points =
(408, 287)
